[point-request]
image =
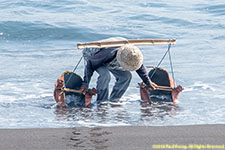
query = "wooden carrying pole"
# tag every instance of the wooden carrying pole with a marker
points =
(164, 88)
(102, 44)
(72, 90)
(158, 87)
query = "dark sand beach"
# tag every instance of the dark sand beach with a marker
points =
(114, 138)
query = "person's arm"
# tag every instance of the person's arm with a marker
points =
(103, 56)
(143, 75)
(146, 81)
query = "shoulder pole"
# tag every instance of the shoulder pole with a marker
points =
(106, 44)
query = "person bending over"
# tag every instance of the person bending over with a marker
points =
(119, 61)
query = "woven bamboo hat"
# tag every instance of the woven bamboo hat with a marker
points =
(129, 57)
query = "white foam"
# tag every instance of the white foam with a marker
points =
(220, 96)
(131, 97)
(23, 91)
(188, 89)
(204, 86)
(94, 124)
(46, 95)
(7, 98)
(30, 96)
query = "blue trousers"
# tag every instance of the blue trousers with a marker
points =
(123, 79)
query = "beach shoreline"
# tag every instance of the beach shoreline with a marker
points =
(121, 137)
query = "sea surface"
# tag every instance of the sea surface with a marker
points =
(38, 41)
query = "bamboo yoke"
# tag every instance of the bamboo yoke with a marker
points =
(102, 44)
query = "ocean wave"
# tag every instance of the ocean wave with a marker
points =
(17, 31)
(216, 10)
(38, 42)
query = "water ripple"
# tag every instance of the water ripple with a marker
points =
(38, 43)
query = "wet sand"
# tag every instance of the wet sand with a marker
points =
(114, 138)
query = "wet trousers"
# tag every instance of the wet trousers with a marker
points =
(123, 79)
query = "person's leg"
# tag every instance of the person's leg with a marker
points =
(103, 84)
(123, 79)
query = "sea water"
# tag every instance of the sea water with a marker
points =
(38, 43)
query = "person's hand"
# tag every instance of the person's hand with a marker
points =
(84, 89)
(152, 86)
